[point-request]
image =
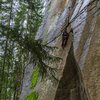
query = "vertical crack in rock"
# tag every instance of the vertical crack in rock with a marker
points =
(80, 78)
(71, 86)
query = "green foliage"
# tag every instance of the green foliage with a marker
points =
(32, 96)
(39, 52)
(18, 20)
(35, 76)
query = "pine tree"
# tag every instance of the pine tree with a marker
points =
(19, 22)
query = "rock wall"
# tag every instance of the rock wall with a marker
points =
(78, 72)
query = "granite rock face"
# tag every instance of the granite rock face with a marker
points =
(79, 71)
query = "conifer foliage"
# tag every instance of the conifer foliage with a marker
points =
(19, 22)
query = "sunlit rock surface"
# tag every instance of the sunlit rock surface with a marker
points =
(79, 71)
(26, 81)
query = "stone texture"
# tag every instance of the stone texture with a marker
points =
(26, 81)
(79, 71)
(69, 86)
